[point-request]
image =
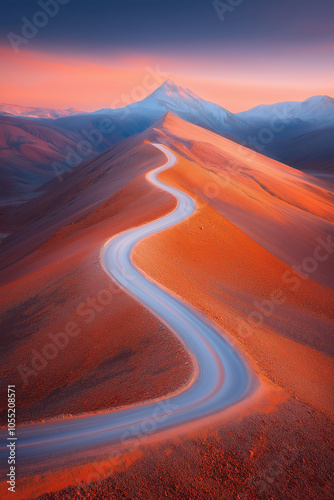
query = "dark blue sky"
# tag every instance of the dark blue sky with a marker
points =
(263, 51)
(165, 24)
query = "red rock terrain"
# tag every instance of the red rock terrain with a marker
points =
(233, 259)
(113, 344)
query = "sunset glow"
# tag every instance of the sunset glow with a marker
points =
(87, 57)
(36, 78)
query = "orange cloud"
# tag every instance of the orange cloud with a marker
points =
(33, 79)
(88, 83)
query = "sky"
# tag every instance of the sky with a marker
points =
(93, 54)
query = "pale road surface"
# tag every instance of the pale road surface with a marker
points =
(221, 376)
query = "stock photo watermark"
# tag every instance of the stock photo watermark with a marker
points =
(93, 138)
(12, 438)
(119, 111)
(40, 19)
(265, 479)
(225, 8)
(264, 136)
(291, 278)
(152, 78)
(86, 311)
(134, 436)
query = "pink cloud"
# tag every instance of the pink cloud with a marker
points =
(236, 81)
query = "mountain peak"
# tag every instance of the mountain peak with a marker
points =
(170, 89)
(170, 85)
(319, 99)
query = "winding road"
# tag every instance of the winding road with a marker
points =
(221, 376)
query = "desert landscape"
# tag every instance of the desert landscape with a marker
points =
(167, 285)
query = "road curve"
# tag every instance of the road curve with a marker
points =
(221, 376)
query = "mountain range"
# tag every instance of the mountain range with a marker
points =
(253, 257)
(31, 112)
(39, 144)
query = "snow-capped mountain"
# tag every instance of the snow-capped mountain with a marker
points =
(183, 103)
(27, 112)
(32, 139)
(302, 133)
(317, 111)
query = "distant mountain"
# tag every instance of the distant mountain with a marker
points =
(183, 103)
(299, 134)
(122, 123)
(310, 151)
(15, 110)
(34, 151)
(294, 127)
(317, 111)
